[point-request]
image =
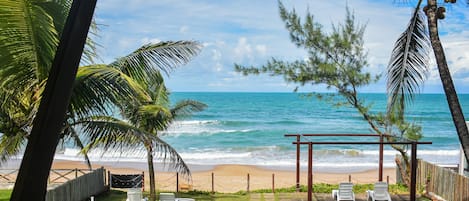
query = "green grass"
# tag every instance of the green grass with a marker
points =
(327, 188)
(5, 194)
(117, 195)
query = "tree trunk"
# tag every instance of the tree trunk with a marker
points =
(447, 81)
(151, 172)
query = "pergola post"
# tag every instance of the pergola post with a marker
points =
(298, 163)
(298, 139)
(381, 150)
(413, 174)
(310, 171)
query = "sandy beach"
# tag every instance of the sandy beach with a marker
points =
(233, 178)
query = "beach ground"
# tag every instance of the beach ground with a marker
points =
(234, 178)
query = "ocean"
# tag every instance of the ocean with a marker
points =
(249, 129)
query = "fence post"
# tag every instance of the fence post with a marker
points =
(248, 184)
(76, 173)
(273, 183)
(349, 178)
(143, 181)
(177, 182)
(109, 179)
(213, 188)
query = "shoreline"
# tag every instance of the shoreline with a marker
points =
(227, 178)
(233, 178)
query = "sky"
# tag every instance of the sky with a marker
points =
(250, 32)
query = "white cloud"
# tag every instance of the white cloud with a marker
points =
(250, 32)
(184, 29)
(261, 49)
(216, 55)
(243, 49)
(150, 40)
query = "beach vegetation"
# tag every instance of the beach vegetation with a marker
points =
(30, 32)
(141, 126)
(337, 60)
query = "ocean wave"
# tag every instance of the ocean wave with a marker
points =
(269, 156)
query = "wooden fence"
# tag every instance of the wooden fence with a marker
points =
(81, 188)
(442, 181)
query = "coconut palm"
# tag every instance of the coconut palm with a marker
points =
(28, 38)
(140, 127)
(30, 31)
(434, 13)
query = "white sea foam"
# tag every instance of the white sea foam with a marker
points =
(205, 127)
(272, 156)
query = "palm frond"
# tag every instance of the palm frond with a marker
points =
(11, 145)
(187, 107)
(169, 156)
(408, 65)
(164, 56)
(27, 36)
(98, 88)
(113, 134)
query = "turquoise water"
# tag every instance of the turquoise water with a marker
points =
(249, 128)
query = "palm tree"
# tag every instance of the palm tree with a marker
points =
(28, 38)
(407, 69)
(142, 122)
(434, 13)
(30, 31)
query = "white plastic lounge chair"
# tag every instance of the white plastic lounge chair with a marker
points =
(134, 194)
(171, 197)
(380, 192)
(167, 197)
(345, 192)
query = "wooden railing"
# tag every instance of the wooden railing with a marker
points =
(442, 181)
(80, 188)
(8, 176)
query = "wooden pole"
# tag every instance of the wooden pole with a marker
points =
(298, 163)
(381, 150)
(143, 181)
(248, 184)
(349, 178)
(109, 179)
(310, 172)
(31, 182)
(177, 182)
(273, 183)
(213, 183)
(413, 173)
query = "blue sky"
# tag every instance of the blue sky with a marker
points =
(250, 32)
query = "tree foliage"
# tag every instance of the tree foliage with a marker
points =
(337, 60)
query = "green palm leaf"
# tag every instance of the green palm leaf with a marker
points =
(163, 56)
(113, 134)
(409, 62)
(28, 40)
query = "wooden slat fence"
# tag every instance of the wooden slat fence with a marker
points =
(81, 188)
(442, 181)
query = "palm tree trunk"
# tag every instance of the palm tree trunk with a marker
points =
(151, 172)
(447, 81)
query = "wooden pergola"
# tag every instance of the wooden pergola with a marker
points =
(381, 143)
